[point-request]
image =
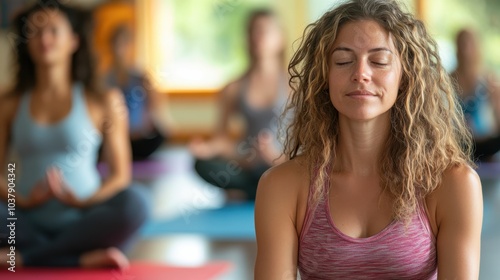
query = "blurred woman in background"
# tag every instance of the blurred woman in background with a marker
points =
(143, 102)
(480, 95)
(54, 121)
(259, 96)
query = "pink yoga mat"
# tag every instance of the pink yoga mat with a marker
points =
(137, 271)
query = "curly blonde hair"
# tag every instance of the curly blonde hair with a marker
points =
(428, 133)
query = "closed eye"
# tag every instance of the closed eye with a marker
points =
(380, 64)
(343, 63)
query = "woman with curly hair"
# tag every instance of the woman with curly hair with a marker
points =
(379, 184)
(54, 121)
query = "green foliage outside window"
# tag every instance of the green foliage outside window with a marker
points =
(446, 17)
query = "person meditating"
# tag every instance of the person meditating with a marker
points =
(379, 183)
(54, 121)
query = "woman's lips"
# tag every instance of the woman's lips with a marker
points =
(361, 94)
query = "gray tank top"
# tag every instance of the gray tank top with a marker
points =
(259, 119)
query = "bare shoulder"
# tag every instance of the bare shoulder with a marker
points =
(105, 107)
(285, 187)
(110, 101)
(277, 220)
(287, 177)
(105, 97)
(112, 96)
(461, 179)
(231, 90)
(460, 192)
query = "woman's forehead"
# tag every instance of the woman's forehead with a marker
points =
(363, 35)
(47, 16)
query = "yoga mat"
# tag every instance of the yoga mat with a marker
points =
(233, 221)
(488, 170)
(137, 271)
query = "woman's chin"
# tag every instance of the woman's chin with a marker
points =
(45, 61)
(364, 115)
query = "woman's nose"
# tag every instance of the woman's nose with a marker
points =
(362, 72)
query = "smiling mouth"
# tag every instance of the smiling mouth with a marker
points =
(361, 93)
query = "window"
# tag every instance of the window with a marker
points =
(446, 17)
(192, 44)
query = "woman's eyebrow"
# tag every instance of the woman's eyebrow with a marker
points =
(370, 51)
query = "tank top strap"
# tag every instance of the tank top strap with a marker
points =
(79, 107)
(78, 98)
(312, 208)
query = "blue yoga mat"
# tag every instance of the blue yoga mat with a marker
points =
(231, 222)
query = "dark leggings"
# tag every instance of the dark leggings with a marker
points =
(486, 148)
(112, 223)
(144, 147)
(229, 175)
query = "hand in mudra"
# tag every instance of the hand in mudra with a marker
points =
(267, 149)
(38, 195)
(60, 189)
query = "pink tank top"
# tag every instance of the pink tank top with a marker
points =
(396, 252)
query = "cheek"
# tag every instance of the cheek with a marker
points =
(337, 80)
(34, 47)
(334, 94)
(391, 82)
(64, 44)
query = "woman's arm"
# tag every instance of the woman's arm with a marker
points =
(275, 223)
(8, 108)
(459, 216)
(157, 107)
(116, 148)
(4, 136)
(39, 193)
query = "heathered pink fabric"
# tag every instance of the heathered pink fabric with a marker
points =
(396, 252)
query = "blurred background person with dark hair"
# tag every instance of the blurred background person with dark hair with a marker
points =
(54, 121)
(479, 95)
(259, 96)
(147, 131)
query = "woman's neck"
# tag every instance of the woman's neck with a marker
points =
(267, 66)
(121, 71)
(55, 80)
(119, 64)
(468, 70)
(361, 143)
(467, 76)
